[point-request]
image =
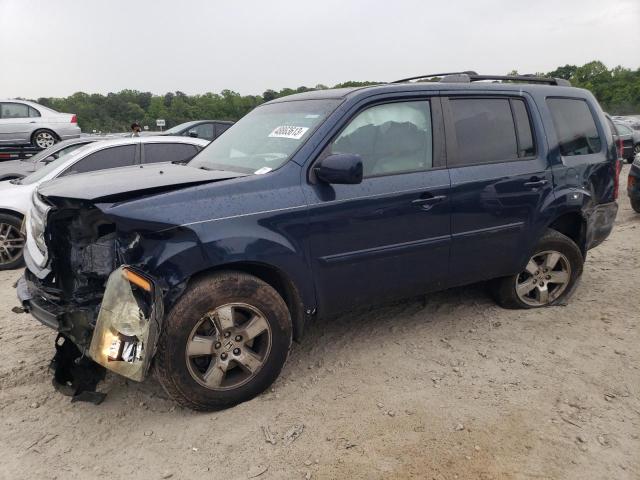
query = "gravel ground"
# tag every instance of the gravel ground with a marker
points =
(454, 388)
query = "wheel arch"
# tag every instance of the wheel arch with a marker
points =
(573, 225)
(44, 129)
(13, 213)
(277, 279)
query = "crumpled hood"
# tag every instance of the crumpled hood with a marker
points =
(129, 182)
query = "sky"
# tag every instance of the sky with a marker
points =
(55, 48)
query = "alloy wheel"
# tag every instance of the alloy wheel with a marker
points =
(228, 346)
(45, 140)
(544, 279)
(11, 243)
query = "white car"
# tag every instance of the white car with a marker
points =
(29, 123)
(15, 195)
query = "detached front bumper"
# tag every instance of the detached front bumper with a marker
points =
(124, 333)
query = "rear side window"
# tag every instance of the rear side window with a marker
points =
(526, 147)
(484, 129)
(575, 126)
(113, 157)
(168, 152)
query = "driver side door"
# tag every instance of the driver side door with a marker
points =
(388, 236)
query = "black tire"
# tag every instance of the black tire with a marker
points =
(11, 256)
(504, 289)
(38, 142)
(174, 368)
(635, 204)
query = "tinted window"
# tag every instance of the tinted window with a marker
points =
(484, 130)
(168, 152)
(575, 127)
(526, 147)
(108, 158)
(390, 138)
(221, 127)
(14, 110)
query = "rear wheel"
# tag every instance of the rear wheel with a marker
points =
(43, 139)
(11, 242)
(548, 277)
(224, 342)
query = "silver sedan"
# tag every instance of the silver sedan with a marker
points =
(28, 123)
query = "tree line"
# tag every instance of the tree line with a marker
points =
(617, 90)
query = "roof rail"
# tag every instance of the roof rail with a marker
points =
(431, 75)
(471, 76)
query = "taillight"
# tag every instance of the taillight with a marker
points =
(620, 147)
(616, 180)
(74, 119)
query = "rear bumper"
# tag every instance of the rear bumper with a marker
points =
(68, 131)
(600, 223)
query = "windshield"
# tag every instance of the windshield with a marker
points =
(265, 138)
(50, 167)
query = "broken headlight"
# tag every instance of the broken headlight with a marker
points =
(38, 221)
(127, 327)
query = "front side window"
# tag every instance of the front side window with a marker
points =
(484, 130)
(575, 127)
(390, 138)
(265, 138)
(14, 110)
(204, 130)
(113, 157)
(168, 152)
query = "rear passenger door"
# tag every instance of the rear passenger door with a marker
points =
(500, 179)
(168, 152)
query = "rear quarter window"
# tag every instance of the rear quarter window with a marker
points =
(575, 126)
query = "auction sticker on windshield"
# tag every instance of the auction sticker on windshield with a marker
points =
(288, 131)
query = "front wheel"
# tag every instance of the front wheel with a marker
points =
(11, 242)
(548, 277)
(224, 342)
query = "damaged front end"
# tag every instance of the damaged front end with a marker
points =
(78, 282)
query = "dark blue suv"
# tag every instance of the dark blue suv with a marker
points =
(310, 205)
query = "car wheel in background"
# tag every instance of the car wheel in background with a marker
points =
(548, 277)
(636, 150)
(11, 242)
(224, 342)
(43, 139)
(635, 204)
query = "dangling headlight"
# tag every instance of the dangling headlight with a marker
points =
(38, 221)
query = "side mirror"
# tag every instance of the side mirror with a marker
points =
(340, 168)
(193, 133)
(49, 159)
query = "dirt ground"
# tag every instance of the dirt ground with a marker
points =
(456, 388)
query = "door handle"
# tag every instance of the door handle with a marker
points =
(426, 202)
(33, 122)
(536, 183)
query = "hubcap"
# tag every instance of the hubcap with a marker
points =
(45, 140)
(544, 279)
(228, 346)
(11, 243)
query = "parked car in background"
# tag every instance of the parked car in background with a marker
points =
(15, 195)
(28, 123)
(14, 169)
(633, 184)
(311, 205)
(206, 129)
(630, 140)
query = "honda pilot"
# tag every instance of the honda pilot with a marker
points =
(311, 205)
